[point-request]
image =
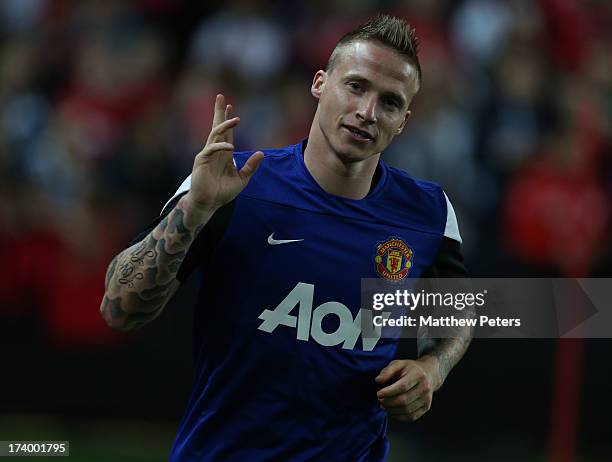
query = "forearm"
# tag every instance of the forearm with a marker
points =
(447, 346)
(141, 279)
(447, 352)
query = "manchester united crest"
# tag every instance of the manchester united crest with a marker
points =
(393, 259)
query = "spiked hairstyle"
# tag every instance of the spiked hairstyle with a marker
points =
(388, 30)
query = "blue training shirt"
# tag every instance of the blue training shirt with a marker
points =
(281, 371)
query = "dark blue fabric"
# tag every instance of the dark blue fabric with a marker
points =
(260, 395)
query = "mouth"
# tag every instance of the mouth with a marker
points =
(358, 134)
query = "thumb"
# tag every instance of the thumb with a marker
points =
(392, 369)
(251, 166)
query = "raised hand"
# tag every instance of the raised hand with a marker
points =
(215, 180)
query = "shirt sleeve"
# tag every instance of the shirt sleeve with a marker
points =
(449, 260)
(451, 230)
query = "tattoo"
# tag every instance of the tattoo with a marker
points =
(114, 307)
(110, 272)
(449, 348)
(177, 236)
(117, 318)
(140, 280)
(448, 351)
(174, 266)
(141, 252)
(128, 275)
(138, 320)
(137, 260)
(111, 311)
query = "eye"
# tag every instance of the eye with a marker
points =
(391, 102)
(355, 86)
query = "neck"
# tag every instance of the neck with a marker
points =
(351, 180)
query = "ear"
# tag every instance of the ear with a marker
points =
(401, 127)
(318, 82)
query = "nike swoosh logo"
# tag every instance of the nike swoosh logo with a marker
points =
(273, 241)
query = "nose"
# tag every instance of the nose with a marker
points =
(367, 109)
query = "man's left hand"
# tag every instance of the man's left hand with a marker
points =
(411, 386)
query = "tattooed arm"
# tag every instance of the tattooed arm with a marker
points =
(445, 353)
(413, 382)
(142, 279)
(410, 384)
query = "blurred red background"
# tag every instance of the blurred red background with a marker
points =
(104, 104)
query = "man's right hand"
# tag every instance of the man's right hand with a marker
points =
(142, 278)
(215, 180)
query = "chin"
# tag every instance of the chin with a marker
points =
(350, 157)
(348, 153)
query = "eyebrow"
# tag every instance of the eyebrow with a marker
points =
(389, 94)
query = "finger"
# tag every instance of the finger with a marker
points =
(416, 415)
(229, 110)
(212, 148)
(387, 373)
(404, 385)
(399, 405)
(420, 390)
(250, 166)
(218, 133)
(403, 401)
(219, 112)
(397, 411)
(409, 417)
(416, 405)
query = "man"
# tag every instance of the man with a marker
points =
(281, 240)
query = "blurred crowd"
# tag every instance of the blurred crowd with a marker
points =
(104, 104)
